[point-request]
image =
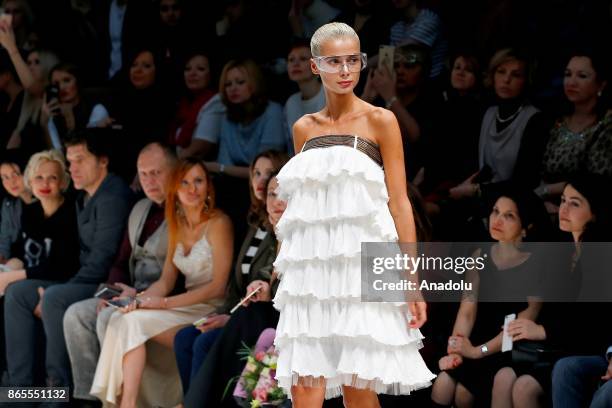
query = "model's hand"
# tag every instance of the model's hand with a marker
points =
(419, 314)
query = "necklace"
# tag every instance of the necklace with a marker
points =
(509, 118)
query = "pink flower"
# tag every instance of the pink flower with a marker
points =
(260, 394)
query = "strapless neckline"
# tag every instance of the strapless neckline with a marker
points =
(366, 146)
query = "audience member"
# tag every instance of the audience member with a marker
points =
(581, 140)
(141, 109)
(512, 130)
(200, 246)
(254, 260)
(222, 363)
(65, 109)
(420, 26)
(196, 125)
(251, 125)
(451, 150)
(11, 170)
(138, 264)
(310, 97)
(404, 93)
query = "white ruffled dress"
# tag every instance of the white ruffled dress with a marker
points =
(336, 199)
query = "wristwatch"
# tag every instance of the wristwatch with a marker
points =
(484, 349)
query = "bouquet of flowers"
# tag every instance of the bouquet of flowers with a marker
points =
(256, 386)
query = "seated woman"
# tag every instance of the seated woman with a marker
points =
(200, 246)
(41, 239)
(68, 110)
(579, 141)
(11, 172)
(585, 213)
(475, 344)
(195, 128)
(512, 133)
(452, 148)
(253, 262)
(310, 97)
(33, 74)
(141, 108)
(251, 125)
(222, 362)
(47, 248)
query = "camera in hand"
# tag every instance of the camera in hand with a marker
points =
(52, 93)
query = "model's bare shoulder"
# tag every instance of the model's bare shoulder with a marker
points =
(383, 121)
(301, 129)
(381, 116)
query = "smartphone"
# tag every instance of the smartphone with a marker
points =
(245, 299)
(386, 57)
(52, 92)
(122, 302)
(506, 338)
(107, 292)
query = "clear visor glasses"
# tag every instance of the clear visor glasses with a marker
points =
(336, 63)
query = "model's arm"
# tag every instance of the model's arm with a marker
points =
(392, 152)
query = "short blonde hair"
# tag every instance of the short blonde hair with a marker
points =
(42, 157)
(330, 31)
(506, 55)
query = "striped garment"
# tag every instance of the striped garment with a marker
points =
(252, 250)
(426, 29)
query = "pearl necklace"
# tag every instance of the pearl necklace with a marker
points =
(511, 117)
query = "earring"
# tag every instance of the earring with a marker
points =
(207, 204)
(599, 93)
(523, 234)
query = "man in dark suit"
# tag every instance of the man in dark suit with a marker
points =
(103, 204)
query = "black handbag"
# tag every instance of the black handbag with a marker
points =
(534, 352)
